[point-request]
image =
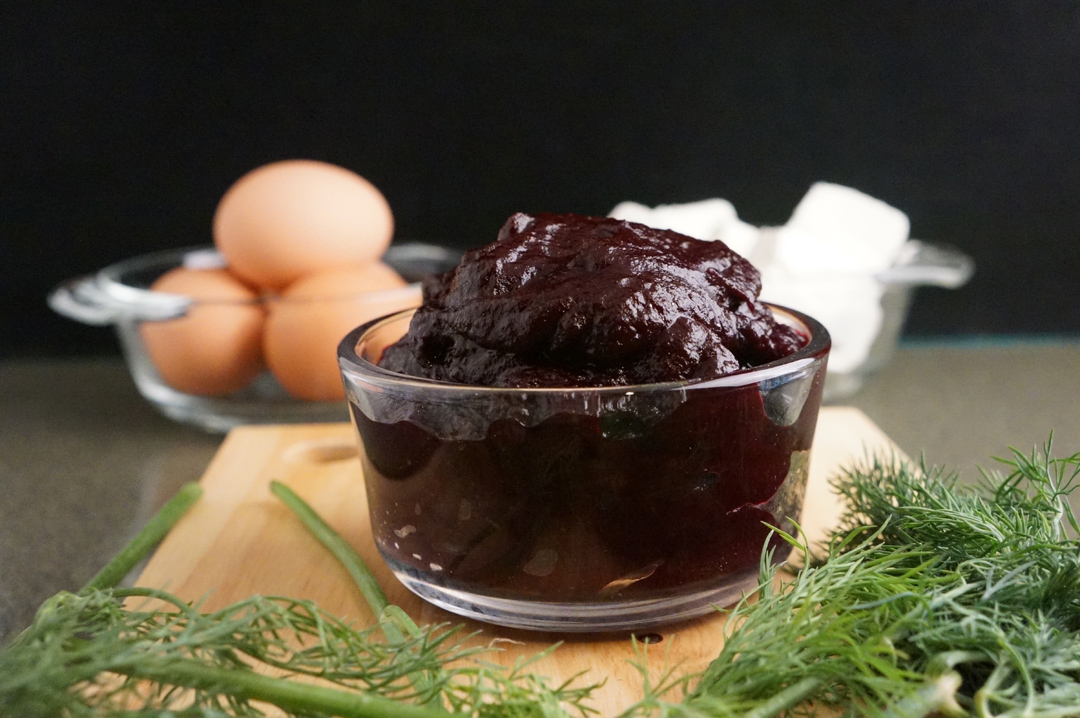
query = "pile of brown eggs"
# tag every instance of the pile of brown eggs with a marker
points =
(302, 241)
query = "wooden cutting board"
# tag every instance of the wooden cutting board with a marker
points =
(239, 540)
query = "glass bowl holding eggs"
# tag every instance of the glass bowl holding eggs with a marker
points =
(246, 331)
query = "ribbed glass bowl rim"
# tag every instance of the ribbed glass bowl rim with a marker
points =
(814, 350)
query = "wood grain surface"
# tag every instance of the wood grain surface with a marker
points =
(239, 540)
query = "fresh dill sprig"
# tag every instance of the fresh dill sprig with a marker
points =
(87, 654)
(144, 652)
(934, 599)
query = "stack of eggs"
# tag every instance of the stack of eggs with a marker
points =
(302, 242)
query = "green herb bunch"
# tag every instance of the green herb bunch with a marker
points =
(934, 599)
(93, 653)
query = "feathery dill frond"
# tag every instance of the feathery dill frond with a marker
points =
(934, 598)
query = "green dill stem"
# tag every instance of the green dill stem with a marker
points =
(145, 540)
(793, 695)
(394, 622)
(290, 695)
(343, 552)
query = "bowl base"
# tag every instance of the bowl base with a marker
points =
(581, 616)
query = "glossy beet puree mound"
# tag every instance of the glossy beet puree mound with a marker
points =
(570, 300)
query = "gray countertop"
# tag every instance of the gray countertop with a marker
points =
(84, 460)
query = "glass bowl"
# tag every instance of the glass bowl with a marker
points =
(119, 295)
(582, 509)
(864, 313)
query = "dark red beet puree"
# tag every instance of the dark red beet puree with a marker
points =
(569, 300)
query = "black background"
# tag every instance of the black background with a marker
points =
(122, 124)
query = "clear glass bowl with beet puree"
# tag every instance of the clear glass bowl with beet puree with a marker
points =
(583, 509)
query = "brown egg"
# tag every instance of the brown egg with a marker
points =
(216, 348)
(284, 220)
(312, 316)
